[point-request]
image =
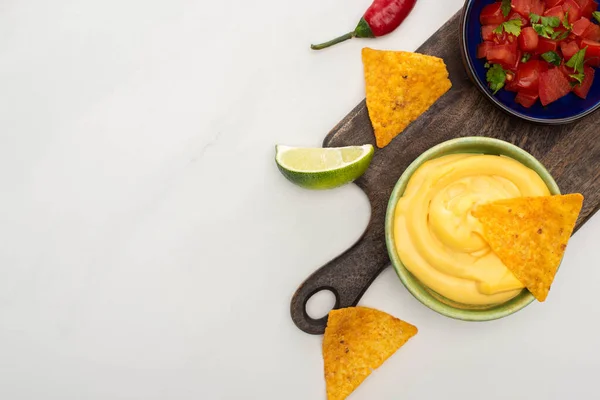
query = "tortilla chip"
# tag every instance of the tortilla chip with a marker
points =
(530, 235)
(358, 340)
(400, 87)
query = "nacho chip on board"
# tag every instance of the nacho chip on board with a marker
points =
(358, 340)
(530, 235)
(400, 86)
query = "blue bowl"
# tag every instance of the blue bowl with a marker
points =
(565, 110)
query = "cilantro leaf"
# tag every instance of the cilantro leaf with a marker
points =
(542, 30)
(534, 18)
(496, 77)
(576, 62)
(526, 57)
(566, 22)
(558, 35)
(578, 77)
(544, 26)
(486, 65)
(512, 27)
(596, 15)
(552, 22)
(505, 7)
(552, 57)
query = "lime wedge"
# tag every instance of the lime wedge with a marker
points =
(323, 168)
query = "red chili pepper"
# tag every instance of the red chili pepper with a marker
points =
(380, 19)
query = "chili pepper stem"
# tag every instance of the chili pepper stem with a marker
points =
(337, 40)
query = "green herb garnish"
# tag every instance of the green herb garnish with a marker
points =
(513, 27)
(576, 62)
(552, 22)
(525, 57)
(544, 26)
(552, 57)
(596, 15)
(496, 77)
(560, 35)
(505, 7)
(566, 22)
(534, 18)
(542, 30)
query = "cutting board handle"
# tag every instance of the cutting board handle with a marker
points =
(347, 276)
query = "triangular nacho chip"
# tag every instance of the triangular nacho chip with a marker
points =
(400, 87)
(358, 340)
(530, 235)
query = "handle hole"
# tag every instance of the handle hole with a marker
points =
(320, 303)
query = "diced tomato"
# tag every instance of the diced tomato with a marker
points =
(568, 49)
(527, 98)
(555, 12)
(583, 89)
(487, 32)
(553, 86)
(573, 9)
(516, 15)
(491, 14)
(505, 54)
(510, 38)
(518, 61)
(483, 48)
(546, 45)
(538, 7)
(587, 7)
(511, 84)
(567, 71)
(528, 39)
(592, 33)
(518, 55)
(504, 38)
(580, 26)
(592, 54)
(536, 78)
(525, 7)
(528, 74)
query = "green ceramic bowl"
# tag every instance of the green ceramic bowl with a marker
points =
(425, 295)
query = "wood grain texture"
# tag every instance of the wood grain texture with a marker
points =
(571, 153)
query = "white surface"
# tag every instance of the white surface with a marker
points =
(150, 247)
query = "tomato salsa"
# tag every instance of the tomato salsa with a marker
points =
(540, 49)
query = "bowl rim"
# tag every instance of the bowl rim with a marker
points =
(412, 284)
(470, 68)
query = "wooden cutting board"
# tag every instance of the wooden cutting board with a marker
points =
(570, 152)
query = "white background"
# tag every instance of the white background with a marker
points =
(150, 248)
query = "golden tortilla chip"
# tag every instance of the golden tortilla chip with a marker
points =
(400, 87)
(530, 235)
(358, 340)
